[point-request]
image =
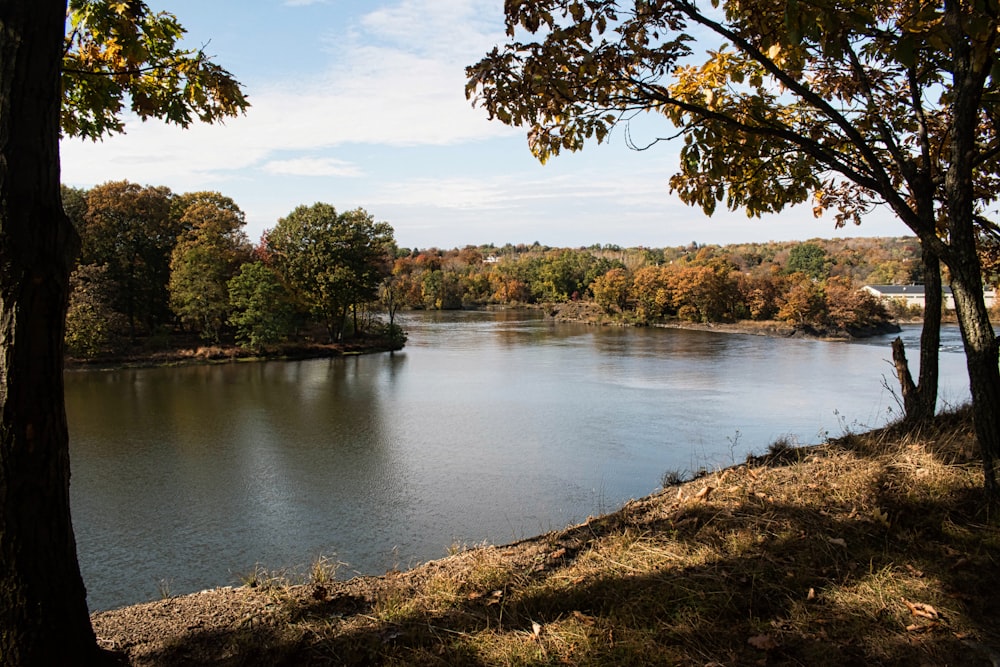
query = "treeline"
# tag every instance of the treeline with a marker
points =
(154, 264)
(815, 282)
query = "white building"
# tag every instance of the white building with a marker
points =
(913, 295)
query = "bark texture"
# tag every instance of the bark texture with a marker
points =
(43, 609)
(920, 398)
(925, 401)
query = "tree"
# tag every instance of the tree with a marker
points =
(131, 230)
(330, 262)
(851, 308)
(653, 292)
(93, 326)
(611, 290)
(810, 259)
(119, 53)
(803, 302)
(43, 608)
(205, 258)
(848, 104)
(262, 311)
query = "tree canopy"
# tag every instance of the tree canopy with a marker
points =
(331, 262)
(846, 103)
(120, 55)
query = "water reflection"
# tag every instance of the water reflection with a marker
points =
(489, 426)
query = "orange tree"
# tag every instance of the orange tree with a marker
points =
(115, 52)
(851, 104)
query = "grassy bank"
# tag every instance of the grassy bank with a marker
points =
(871, 549)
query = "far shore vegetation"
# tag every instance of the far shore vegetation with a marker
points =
(173, 278)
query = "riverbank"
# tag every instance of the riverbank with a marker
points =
(192, 351)
(590, 313)
(869, 549)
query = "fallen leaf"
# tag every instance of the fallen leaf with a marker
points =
(914, 571)
(922, 610)
(763, 642)
(536, 629)
(811, 595)
(704, 493)
(557, 554)
(839, 541)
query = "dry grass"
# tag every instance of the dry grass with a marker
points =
(873, 549)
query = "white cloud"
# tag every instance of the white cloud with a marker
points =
(312, 166)
(467, 194)
(397, 82)
(445, 28)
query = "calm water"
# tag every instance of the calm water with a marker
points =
(487, 427)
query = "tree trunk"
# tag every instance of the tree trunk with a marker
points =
(982, 361)
(911, 405)
(969, 71)
(43, 607)
(925, 403)
(920, 399)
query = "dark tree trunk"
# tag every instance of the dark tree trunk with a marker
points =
(969, 72)
(911, 406)
(930, 340)
(920, 399)
(43, 607)
(981, 359)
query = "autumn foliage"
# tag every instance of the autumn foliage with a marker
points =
(692, 284)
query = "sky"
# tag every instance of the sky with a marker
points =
(362, 104)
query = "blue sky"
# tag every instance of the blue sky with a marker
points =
(362, 104)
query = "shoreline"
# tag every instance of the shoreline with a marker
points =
(188, 355)
(590, 313)
(196, 353)
(867, 549)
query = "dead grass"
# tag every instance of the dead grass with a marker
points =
(873, 549)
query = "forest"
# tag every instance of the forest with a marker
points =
(157, 267)
(815, 283)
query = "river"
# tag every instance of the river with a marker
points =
(488, 427)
